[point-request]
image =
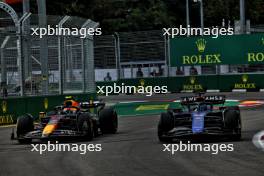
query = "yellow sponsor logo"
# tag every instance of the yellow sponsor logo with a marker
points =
(142, 82)
(245, 84)
(201, 44)
(4, 106)
(152, 107)
(245, 78)
(201, 59)
(192, 80)
(193, 85)
(46, 103)
(6, 119)
(256, 57)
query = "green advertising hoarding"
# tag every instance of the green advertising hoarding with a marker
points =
(236, 49)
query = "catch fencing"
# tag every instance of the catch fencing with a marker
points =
(53, 64)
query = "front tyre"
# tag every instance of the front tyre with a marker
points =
(108, 121)
(238, 134)
(166, 123)
(85, 126)
(233, 123)
(25, 124)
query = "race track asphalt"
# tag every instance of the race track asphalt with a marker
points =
(136, 151)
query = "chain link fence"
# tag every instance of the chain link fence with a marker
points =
(54, 64)
(125, 54)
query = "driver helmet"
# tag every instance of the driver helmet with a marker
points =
(70, 101)
(204, 107)
(70, 104)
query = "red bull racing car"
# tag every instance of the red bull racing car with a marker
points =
(200, 115)
(72, 119)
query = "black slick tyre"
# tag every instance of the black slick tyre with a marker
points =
(233, 123)
(108, 121)
(166, 123)
(25, 124)
(85, 126)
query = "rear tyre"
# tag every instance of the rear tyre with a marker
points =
(108, 121)
(238, 134)
(95, 128)
(166, 123)
(85, 126)
(233, 123)
(25, 124)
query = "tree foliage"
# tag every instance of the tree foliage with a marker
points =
(131, 15)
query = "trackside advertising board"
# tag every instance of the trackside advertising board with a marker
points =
(236, 49)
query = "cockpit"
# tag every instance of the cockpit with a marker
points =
(199, 107)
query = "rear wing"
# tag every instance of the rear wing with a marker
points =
(83, 105)
(91, 104)
(214, 99)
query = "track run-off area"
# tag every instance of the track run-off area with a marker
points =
(135, 149)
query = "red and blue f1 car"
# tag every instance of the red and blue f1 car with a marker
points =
(68, 121)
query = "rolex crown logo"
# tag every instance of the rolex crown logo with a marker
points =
(142, 82)
(192, 80)
(201, 44)
(4, 106)
(245, 78)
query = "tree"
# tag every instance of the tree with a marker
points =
(131, 15)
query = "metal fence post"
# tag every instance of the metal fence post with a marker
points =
(20, 55)
(117, 54)
(167, 53)
(84, 55)
(25, 32)
(88, 59)
(43, 47)
(83, 66)
(3, 62)
(61, 55)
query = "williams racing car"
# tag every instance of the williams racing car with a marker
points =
(200, 115)
(72, 119)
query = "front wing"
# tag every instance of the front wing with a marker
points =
(37, 134)
(182, 132)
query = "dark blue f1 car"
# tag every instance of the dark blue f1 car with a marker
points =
(200, 115)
